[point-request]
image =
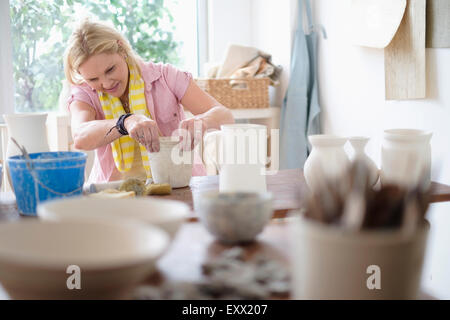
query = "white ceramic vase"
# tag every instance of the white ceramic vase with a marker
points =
(406, 157)
(359, 145)
(327, 160)
(29, 130)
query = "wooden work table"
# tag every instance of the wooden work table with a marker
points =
(287, 186)
(193, 245)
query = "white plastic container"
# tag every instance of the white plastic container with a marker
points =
(405, 156)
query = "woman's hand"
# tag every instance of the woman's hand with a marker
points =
(208, 115)
(143, 130)
(192, 131)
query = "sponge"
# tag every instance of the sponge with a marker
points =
(159, 189)
(133, 184)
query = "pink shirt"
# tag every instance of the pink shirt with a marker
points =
(165, 86)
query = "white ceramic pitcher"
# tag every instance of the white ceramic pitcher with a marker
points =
(240, 157)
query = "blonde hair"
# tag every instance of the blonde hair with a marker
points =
(91, 38)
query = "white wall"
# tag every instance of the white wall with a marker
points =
(351, 84)
(272, 24)
(229, 22)
(351, 80)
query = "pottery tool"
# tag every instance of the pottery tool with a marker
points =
(97, 187)
(24, 152)
(354, 204)
(113, 194)
(404, 57)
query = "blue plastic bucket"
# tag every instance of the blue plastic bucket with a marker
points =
(48, 175)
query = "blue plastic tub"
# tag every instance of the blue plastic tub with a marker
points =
(48, 175)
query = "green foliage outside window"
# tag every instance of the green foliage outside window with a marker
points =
(40, 30)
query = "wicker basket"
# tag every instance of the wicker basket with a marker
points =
(255, 95)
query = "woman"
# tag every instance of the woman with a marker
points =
(120, 105)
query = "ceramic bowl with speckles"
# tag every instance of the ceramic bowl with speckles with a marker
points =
(234, 217)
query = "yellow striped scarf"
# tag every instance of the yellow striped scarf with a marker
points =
(123, 148)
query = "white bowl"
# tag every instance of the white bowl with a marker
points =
(167, 214)
(112, 258)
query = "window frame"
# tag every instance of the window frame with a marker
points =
(202, 36)
(6, 62)
(7, 104)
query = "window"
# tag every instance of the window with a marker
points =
(158, 30)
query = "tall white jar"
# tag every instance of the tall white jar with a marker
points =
(327, 160)
(405, 156)
(29, 130)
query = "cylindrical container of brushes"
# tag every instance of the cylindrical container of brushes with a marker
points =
(330, 263)
(355, 242)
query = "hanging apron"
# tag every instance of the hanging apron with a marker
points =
(300, 112)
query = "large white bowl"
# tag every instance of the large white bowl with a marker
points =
(167, 214)
(112, 258)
